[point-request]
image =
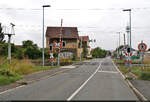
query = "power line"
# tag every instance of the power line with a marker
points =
(69, 9)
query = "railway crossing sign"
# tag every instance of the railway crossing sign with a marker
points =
(142, 47)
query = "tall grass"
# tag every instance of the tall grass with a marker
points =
(18, 66)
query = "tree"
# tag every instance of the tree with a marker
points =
(1, 34)
(98, 52)
(85, 51)
(31, 50)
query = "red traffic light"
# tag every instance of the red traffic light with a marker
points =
(60, 41)
(54, 42)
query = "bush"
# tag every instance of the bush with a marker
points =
(145, 76)
(6, 72)
(7, 80)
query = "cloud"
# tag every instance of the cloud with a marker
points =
(100, 19)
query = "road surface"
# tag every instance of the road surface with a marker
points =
(96, 79)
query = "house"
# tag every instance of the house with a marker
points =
(69, 36)
(85, 39)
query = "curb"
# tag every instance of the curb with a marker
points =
(138, 94)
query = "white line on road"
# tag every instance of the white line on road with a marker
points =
(84, 83)
(108, 71)
(12, 89)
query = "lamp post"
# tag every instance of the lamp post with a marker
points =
(43, 35)
(130, 22)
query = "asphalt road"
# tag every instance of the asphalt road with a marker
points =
(96, 79)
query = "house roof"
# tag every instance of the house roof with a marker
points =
(84, 38)
(68, 32)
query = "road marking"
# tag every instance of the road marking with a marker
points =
(108, 71)
(84, 83)
(70, 66)
(9, 90)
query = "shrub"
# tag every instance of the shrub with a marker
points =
(145, 76)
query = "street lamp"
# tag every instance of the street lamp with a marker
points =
(43, 34)
(129, 21)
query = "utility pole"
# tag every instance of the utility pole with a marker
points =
(129, 10)
(60, 36)
(118, 55)
(9, 41)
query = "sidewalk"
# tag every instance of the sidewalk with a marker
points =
(143, 87)
(37, 76)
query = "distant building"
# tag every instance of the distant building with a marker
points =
(85, 39)
(69, 35)
(147, 55)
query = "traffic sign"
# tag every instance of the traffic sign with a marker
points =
(142, 47)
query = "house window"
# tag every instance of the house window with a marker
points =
(67, 31)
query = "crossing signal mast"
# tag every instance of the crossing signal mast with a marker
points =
(59, 45)
(60, 42)
(12, 32)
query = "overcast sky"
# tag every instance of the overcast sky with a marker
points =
(99, 19)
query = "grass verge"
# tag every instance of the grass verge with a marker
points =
(142, 73)
(10, 73)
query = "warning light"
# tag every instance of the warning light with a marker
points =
(63, 44)
(128, 50)
(50, 47)
(60, 45)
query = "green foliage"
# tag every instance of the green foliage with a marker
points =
(1, 34)
(74, 57)
(145, 76)
(120, 47)
(31, 50)
(28, 43)
(98, 53)
(5, 80)
(85, 51)
(4, 49)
